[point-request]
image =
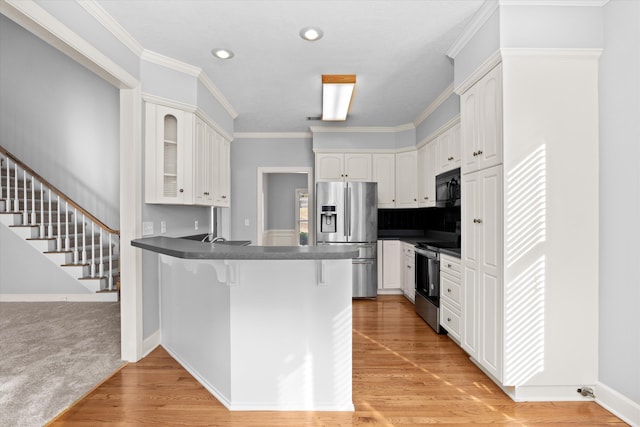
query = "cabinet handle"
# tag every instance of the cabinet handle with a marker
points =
(342, 175)
(224, 197)
(479, 152)
(448, 319)
(449, 265)
(393, 200)
(182, 190)
(450, 158)
(415, 200)
(477, 220)
(449, 290)
(426, 198)
(475, 153)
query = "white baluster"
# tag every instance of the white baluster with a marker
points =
(42, 230)
(7, 206)
(66, 225)
(84, 243)
(25, 213)
(16, 201)
(50, 227)
(93, 251)
(75, 238)
(110, 272)
(58, 230)
(1, 187)
(33, 200)
(101, 269)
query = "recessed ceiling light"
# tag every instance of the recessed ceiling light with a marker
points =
(222, 53)
(311, 33)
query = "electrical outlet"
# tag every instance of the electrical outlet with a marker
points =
(147, 228)
(163, 226)
(246, 222)
(196, 225)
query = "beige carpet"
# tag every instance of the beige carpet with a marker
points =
(51, 354)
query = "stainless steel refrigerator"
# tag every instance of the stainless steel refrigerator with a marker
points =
(347, 214)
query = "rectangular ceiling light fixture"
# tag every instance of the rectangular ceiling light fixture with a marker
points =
(337, 93)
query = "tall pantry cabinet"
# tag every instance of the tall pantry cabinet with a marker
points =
(530, 221)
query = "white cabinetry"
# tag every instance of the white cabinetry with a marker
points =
(384, 173)
(481, 122)
(343, 167)
(406, 179)
(451, 294)
(390, 262)
(168, 155)
(222, 172)
(427, 174)
(408, 271)
(482, 307)
(186, 160)
(448, 150)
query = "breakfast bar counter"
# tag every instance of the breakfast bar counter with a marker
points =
(262, 328)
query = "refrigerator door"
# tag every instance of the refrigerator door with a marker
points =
(365, 278)
(330, 212)
(362, 211)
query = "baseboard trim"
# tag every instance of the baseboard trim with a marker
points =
(396, 291)
(151, 343)
(618, 404)
(88, 297)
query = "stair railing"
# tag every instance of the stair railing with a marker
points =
(38, 198)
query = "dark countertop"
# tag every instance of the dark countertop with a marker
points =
(451, 252)
(190, 249)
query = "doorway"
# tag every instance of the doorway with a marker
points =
(285, 201)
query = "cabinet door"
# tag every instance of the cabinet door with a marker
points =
(222, 187)
(432, 155)
(168, 155)
(329, 167)
(423, 198)
(203, 155)
(391, 277)
(470, 193)
(469, 129)
(384, 173)
(357, 167)
(406, 179)
(490, 144)
(454, 147)
(444, 152)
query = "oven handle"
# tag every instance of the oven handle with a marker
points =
(427, 253)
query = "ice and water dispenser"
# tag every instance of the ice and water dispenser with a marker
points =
(328, 219)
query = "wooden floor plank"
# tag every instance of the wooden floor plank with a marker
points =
(403, 375)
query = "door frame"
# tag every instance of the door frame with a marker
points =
(260, 198)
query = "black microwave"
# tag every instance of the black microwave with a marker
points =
(448, 189)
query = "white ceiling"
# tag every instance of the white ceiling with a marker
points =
(395, 47)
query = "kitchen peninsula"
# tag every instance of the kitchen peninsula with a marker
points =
(262, 328)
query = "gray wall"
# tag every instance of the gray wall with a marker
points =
(280, 211)
(444, 113)
(61, 120)
(619, 337)
(246, 156)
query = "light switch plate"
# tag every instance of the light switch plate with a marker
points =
(163, 226)
(147, 228)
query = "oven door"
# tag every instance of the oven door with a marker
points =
(428, 274)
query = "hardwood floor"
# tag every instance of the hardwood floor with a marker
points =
(403, 375)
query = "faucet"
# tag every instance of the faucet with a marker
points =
(219, 239)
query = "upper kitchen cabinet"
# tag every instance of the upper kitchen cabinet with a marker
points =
(406, 179)
(481, 118)
(343, 167)
(384, 173)
(427, 174)
(186, 160)
(448, 150)
(168, 155)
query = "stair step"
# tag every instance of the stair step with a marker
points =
(26, 231)
(10, 218)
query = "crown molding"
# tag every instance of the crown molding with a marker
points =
(38, 21)
(442, 129)
(477, 21)
(577, 3)
(197, 72)
(113, 26)
(493, 60)
(189, 108)
(434, 105)
(272, 135)
(552, 52)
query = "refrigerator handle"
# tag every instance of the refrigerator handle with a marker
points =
(345, 214)
(349, 211)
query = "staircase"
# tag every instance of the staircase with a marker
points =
(81, 245)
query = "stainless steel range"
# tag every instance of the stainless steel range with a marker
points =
(427, 298)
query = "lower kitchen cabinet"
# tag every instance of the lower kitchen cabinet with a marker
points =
(451, 297)
(482, 308)
(408, 271)
(389, 276)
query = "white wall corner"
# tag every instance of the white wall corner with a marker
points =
(151, 342)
